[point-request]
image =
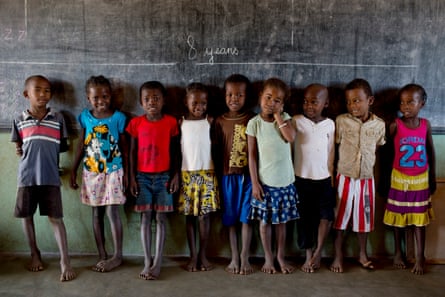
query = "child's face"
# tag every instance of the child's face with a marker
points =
(271, 100)
(196, 103)
(235, 96)
(38, 92)
(315, 100)
(358, 103)
(152, 102)
(100, 98)
(410, 103)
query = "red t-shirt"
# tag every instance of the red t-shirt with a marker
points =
(153, 140)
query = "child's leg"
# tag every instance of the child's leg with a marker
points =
(246, 237)
(192, 266)
(98, 229)
(363, 258)
(337, 265)
(280, 230)
(155, 269)
(204, 232)
(398, 255)
(30, 234)
(146, 242)
(116, 231)
(233, 267)
(266, 240)
(60, 235)
(323, 231)
(419, 266)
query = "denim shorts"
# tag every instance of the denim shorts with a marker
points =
(153, 192)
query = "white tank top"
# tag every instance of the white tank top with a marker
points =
(196, 145)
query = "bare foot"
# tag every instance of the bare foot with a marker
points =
(107, 265)
(67, 273)
(419, 267)
(268, 268)
(307, 267)
(154, 273)
(192, 265)
(145, 274)
(233, 267)
(286, 268)
(245, 267)
(337, 266)
(398, 262)
(315, 262)
(35, 264)
(205, 264)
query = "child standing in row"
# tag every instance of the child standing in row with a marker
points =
(153, 170)
(314, 152)
(413, 177)
(236, 187)
(198, 196)
(40, 135)
(269, 135)
(102, 150)
(358, 133)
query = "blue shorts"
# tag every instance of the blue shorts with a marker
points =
(153, 192)
(237, 192)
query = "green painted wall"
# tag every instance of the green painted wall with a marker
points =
(80, 236)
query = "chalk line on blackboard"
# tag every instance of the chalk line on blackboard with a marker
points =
(94, 64)
(308, 64)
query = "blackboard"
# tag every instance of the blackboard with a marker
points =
(389, 43)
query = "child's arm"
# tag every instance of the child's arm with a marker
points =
(431, 160)
(175, 153)
(257, 189)
(132, 170)
(217, 155)
(18, 148)
(77, 159)
(286, 129)
(123, 146)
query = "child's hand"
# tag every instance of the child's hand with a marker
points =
(257, 192)
(18, 150)
(277, 111)
(432, 187)
(73, 180)
(174, 184)
(134, 189)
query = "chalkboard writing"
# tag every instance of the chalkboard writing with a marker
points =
(389, 43)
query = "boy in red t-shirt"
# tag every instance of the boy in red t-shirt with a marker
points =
(153, 170)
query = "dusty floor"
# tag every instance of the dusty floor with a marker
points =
(175, 281)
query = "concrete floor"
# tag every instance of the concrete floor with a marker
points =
(174, 281)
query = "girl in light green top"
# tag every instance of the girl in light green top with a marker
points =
(269, 135)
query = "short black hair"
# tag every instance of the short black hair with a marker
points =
(277, 83)
(360, 83)
(99, 80)
(33, 77)
(414, 88)
(153, 85)
(196, 86)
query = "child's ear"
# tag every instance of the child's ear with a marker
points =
(371, 100)
(25, 93)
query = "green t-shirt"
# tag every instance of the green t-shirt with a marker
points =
(275, 167)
